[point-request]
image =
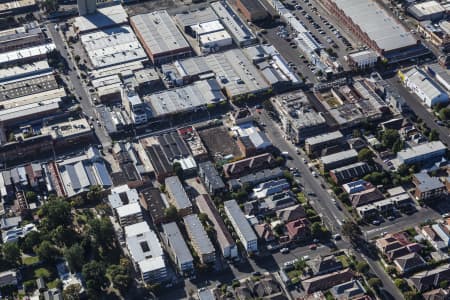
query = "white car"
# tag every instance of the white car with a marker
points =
(284, 250)
(314, 174)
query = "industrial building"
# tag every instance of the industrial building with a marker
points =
(241, 34)
(17, 7)
(160, 37)
(179, 250)
(77, 174)
(437, 34)
(236, 75)
(429, 10)
(112, 46)
(441, 75)
(25, 36)
(26, 55)
(298, 118)
(177, 195)
(227, 245)
(188, 20)
(146, 252)
(129, 214)
(421, 85)
(199, 239)
(104, 17)
(185, 99)
(371, 24)
(252, 10)
(241, 225)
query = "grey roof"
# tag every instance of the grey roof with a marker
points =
(198, 235)
(205, 205)
(236, 73)
(177, 243)
(230, 19)
(328, 159)
(212, 174)
(422, 149)
(158, 32)
(189, 18)
(382, 28)
(174, 186)
(186, 98)
(428, 183)
(318, 139)
(438, 70)
(348, 289)
(261, 176)
(235, 212)
(425, 9)
(351, 171)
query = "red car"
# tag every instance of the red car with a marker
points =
(313, 247)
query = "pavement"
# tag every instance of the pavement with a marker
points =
(75, 84)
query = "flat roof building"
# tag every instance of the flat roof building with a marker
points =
(299, 120)
(227, 245)
(236, 74)
(322, 141)
(112, 46)
(424, 87)
(252, 10)
(189, 98)
(178, 248)
(26, 55)
(242, 35)
(423, 153)
(160, 37)
(178, 196)
(241, 226)
(199, 239)
(429, 10)
(129, 214)
(211, 178)
(146, 252)
(375, 27)
(339, 159)
(25, 36)
(104, 17)
(194, 18)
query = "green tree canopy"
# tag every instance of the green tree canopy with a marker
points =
(102, 231)
(11, 254)
(75, 257)
(365, 154)
(55, 213)
(389, 137)
(94, 275)
(47, 252)
(72, 292)
(171, 213)
(31, 240)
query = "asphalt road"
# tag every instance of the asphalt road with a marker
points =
(332, 216)
(78, 89)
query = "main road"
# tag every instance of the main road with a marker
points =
(74, 79)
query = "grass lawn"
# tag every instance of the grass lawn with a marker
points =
(344, 260)
(29, 260)
(302, 198)
(294, 273)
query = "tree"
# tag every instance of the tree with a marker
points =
(31, 196)
(76, 58)
(434, 135)
(47, 252)
(120, 276)
(203, 218)
(365, 154)
(444, 113)
(362, 267)
(72, 292)
(398, 145)
(75, 257)
(102, 231)
(11, 254)
(401, 284)
(31, 240)
(63, 236)
(412, 295)
(351, 230)
(389, 137)
(443, 284)
(316, 230)
(178, 170)
(55, 213)
(356, 133)
(375, 282)
(95, 194)
(94, 275)
(171, 213)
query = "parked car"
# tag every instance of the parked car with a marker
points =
(284, 250)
